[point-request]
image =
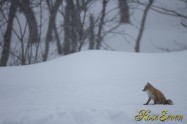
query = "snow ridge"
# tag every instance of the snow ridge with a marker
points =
(92, 87)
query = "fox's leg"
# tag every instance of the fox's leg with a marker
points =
(148, 101)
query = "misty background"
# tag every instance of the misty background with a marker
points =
(33, 31)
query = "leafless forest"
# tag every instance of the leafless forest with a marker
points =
(33, 31)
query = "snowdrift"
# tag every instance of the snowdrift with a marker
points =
(93, 87)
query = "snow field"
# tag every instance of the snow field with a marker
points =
(92, 87)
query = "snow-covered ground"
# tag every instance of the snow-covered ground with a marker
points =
(93, 87)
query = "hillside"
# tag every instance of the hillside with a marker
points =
(92, 87)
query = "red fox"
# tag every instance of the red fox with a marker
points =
(156, 95)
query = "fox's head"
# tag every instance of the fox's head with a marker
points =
(147, 86)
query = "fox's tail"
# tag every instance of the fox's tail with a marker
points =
(169, 102)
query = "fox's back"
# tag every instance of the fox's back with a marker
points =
(160, 98)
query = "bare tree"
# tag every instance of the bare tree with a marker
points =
(69, 10)
(8, 33)
(79, 26)
(101, 23)
(178, 12)
(124, 11)
(74, 35)
(29, 14)
(51, 26)
(142, 26)
(91, 33)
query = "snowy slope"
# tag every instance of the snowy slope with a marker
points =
(92, 87)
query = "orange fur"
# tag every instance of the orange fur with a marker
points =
(156, 95)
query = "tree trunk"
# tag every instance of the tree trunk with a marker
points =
(8, 33)
(99, 37)
(137, 45)
(91, 34)
(59, 47)
(124, 11)
(72, 28)
(51, 25)
(67, 26)
(29, 14)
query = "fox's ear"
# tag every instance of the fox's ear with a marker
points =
(148, 83)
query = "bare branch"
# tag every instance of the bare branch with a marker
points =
(168, 11)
